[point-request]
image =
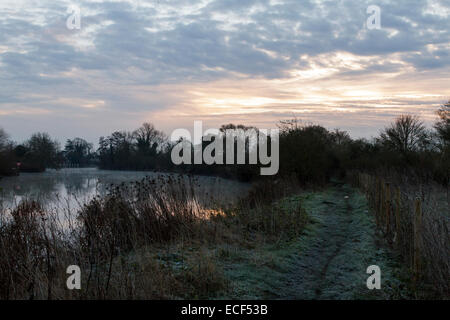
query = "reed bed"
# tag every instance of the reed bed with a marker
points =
(413, 216)
(149, 239)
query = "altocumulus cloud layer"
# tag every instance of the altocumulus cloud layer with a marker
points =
(255, 62)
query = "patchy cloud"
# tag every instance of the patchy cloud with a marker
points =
(171, 61)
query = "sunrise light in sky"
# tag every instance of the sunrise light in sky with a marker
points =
(171, 62)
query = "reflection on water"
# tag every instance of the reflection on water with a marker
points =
(69, 188)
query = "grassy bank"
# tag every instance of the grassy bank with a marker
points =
(412, 217)
(327, 260)
(153, 239)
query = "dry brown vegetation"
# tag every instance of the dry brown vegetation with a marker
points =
(413, 215)
(152, 239)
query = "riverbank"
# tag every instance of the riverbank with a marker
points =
(124, 242)
(325, 257)
(305, 245)
(328, 260)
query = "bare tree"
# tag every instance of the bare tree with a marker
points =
(406, 134)
(4, 138)
(5, 155)
(42, 151)
(148, 139)
(442, 126)
(340, 137)
(78, 151)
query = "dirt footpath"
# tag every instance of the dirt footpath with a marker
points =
(338, 246)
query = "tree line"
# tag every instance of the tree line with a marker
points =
(309, 152)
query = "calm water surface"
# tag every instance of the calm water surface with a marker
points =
(71, 188)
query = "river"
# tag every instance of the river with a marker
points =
(71, 188)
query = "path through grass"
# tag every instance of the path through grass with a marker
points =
(328, 261)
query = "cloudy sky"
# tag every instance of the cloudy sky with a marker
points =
(171, 62)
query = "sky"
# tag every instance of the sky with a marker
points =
(172, 62)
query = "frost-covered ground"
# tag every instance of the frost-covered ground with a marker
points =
(337, 250)
(329, 261)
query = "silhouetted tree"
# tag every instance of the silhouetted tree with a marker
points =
(442, 126)
(306, 152)
(148, 139)
(78, 152)
(115, 151)
(4, 139)
(41, 152)
(407, 134)
(7, 159)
